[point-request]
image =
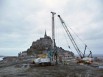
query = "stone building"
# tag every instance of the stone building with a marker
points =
(22, 54)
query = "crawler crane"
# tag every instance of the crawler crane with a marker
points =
(83, 58)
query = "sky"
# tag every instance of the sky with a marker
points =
(25, 21)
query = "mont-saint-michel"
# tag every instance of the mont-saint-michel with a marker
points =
(42, 46)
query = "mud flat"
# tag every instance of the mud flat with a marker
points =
(70, 70)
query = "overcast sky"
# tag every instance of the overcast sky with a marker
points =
(25, 21)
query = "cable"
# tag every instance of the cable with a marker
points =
(78, 37)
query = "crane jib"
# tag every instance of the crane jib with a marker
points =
(70, 37)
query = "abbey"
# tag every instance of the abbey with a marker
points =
(43, 45)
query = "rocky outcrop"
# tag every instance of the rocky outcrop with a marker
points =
(44, 44)
(40, 45)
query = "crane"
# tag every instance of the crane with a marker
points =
(71, 38)
(83, 59)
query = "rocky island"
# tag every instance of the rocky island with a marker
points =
(43, 45)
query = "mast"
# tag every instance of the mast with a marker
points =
(53, 37)
(53, 30)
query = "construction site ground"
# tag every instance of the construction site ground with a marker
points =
(60, 70)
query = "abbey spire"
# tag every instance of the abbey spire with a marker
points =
(45, 34)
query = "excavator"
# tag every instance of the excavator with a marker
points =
(82, 58)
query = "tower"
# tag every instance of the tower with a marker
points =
(45, 35)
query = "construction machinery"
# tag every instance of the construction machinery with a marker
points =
(83, 58)
(42, 59)
(48, 59)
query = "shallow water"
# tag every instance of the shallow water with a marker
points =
(1, 58)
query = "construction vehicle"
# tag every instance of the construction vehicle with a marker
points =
(42, 60)
(83, 58)
(88, 59)
(45, 59)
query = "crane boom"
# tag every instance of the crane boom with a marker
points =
(70, 37)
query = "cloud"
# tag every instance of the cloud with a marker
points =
(23, 21)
